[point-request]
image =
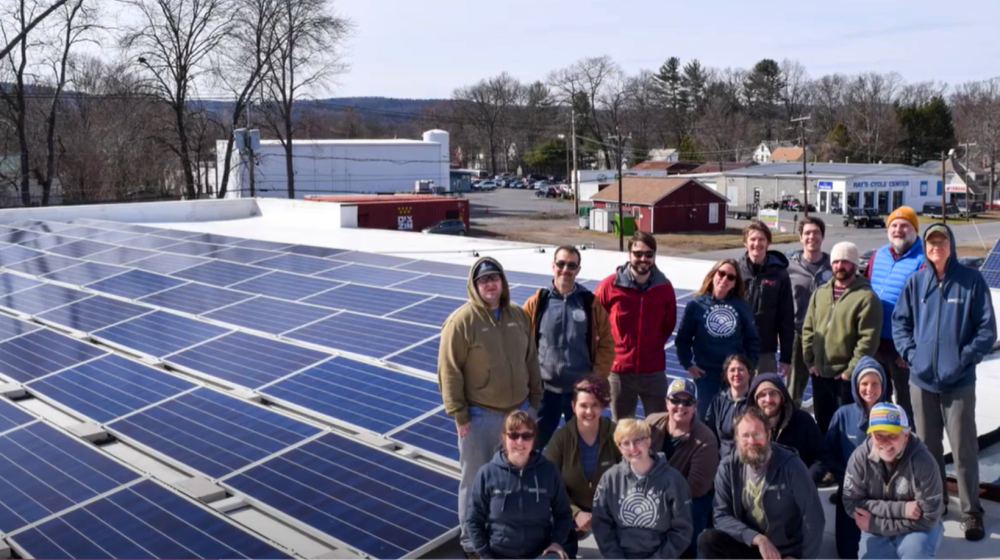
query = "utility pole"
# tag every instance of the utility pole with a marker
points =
(944, 188)
(968, 181)
(619, 140)
(573, 177)
(249, 141)
(805, 182)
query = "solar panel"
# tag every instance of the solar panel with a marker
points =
(46, 226)
(265, 245)
(119, 226)
(520, 294)
(143, 520)
(135, 284)
(370, 275)
(284, 285)
(368, 336)
(93, 313)
(435, 433)
(440, 285)
(992, 262)
(195, 298)
(241, 255)
(121, 255)
(168, 264)
(10, 283)
(528, 279)
(432, 312)
(220, 273)
(372, 501)
(244, 360)
(43, 265)
(42, 352)
(212, 433)
(365, 299)
(215, 239)
(177, 234)
(376, 259)
(85, 273)
(300, 264)
(590, 284)
(269, 315)
(19, 236)
(41, 299)
(13, 416)
(46, 471)
(82, 231)
(314, 251)
(365, 395)
(148, 242)
(81, 249)
(109, 387)
(992, 278)
(11, 327)
(193, 248)
(674, 367)
(47, 242)
(112, 236)
(158, 334)
(422, 357)
(446, 269)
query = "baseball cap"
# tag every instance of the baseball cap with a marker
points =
(486, 268)
(682, 386)
(937, 229)
(887, 417)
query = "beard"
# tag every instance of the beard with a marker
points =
(756, 456)
(901, 245)
(641, 267)
(845, 274)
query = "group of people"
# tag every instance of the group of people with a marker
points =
(727, 463)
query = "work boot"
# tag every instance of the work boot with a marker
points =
(973, 527)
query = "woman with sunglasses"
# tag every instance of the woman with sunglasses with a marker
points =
(583, 450)
(716, 325)
(518, 505)
(730, 402)
(641, 507)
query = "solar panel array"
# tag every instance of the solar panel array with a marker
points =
(991, 267)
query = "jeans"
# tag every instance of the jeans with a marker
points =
(708, 386)
(798, 379)
(919, 544)
(628, 388)
(701, 514)
(554, 406)
(475, 450)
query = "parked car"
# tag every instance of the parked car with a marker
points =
(547, 191)
(539, 184)
(972, 262)
(863, 218)
(874, 218)
(447, 227)
(516, 184)
(864, 258)
(933, 209)
(485, 186)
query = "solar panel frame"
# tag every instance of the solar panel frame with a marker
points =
(215, 239)
(148, 242)
(379, 337)
(437, 285)
(442, 269)
(193, 248)
(158, 334)
(432, 312)
(121, 255)
(992, 262)
(81, 249)
(421, 357)
(43, 352)
(12, 327)
(373, 259)
(366, 299)
(38, 300)
(299, 264)
(112, 237)
(19, 236)
(13, 283)
(269, 315)
(432, 435)
(136, 284)
(13, 416)
(85, 273)
(82, 231)
(44, 264)
(92, 314)
(167, 263)
(242, 255)
(47, 242)
(177, 233)
(368, 275)
(264, 245)
(195, 298)
(315, 251)
(285, 285)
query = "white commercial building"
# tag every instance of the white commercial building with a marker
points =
(341, 166)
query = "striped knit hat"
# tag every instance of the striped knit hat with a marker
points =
(887, 417)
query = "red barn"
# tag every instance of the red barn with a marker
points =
(666, 205)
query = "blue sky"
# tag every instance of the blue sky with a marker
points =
(427, 48)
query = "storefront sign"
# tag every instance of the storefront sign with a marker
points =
(824, 185)
(955, 188)
(769, 218)
(878, 184)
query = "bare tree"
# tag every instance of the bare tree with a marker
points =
(589, 77)
(725, 129)
(13, 40)
(873, 125)
(796, 90)
(642, 112)
(172, 40)
(977, 117)
(487, 106)
(18, 21)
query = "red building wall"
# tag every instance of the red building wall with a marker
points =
(406, 213)
(684, 210)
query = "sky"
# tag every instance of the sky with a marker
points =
(428, 48)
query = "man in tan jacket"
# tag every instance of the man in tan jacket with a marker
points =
(487, 366)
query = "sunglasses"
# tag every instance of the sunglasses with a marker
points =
(647, 254)
(726, 275)
(681, 402)
(526, 436)
(571, 265)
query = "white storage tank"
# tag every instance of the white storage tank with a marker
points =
(442, 138)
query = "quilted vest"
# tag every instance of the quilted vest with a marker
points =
(888, 275)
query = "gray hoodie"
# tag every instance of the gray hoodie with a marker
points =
(806, 277)
(869, 485)
(648, 517)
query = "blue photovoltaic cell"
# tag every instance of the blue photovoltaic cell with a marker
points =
(12, 416)
(212, 433)
(436, 434)
(42, 352)
(160, 524)
(370, 275)
(93, 313)
(215, 239)
(109, 387)
(241, 255)
(47, 226)
(674, 367)
(992, 278)
(445, 269)
(520, 294)
(112, 236)
(375, 259)
(41, 298)
(590, 284)
(119, 226)
(18, 236)
(80, 249)
(10, 283)
(246, 360)
(47, 242)
(220, 273)
(300, 264)
(44, 265)
(283, 285)
(423, 357)
(16, 254)
(365, 395)
(11, 327)
(46, 471)
(992, 262)
(365, 299)
(160, 333)
(528, 280)
(148, 242)
(81, 231)
(265, 245)
(83, 274)
(381, 504)
(368, 336)
(193, 248)
(439, 285)
(195, 298)
(168, 264)
(273, 316)
(135, 284)
(121, 255)
(314, 251)
(177, 234)
(432, 312)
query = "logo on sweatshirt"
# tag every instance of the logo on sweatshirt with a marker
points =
(721, 321)
(639, 509)
(902, 486)
(579, 315)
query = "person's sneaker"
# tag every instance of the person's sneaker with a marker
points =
(973, 527)
(827, 481)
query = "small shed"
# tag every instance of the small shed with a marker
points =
(666, 205)
(402, 212)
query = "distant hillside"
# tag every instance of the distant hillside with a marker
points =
(384, 107)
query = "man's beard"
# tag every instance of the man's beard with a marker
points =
(641, 268)
(901, 245)
(755, 455)
(845, 274)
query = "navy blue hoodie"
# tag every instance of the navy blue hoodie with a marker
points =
(712, 330)
(720, 415)
(849, 427)
(943, 329)
(518, 513)
(795, 429)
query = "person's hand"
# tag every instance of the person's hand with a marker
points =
(557, 548)
(766, 548)
(784, 369)
(583, 520)
(911, 510)
(463, 429)
(863, 519)
(844, 377)
(901, 362)
(696, 371)
(814, 371)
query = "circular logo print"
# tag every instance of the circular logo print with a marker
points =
(639, 510)
(721, 321)
(579, 315)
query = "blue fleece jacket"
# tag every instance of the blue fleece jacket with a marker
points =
(849, 426)
(517, 513)
(712, 330)
(943, 328)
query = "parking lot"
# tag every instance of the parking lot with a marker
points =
(514, 202)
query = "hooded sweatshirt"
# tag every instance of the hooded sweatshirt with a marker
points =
(769, 292)
(837, 334)
(849, 426)
(696, 457)
(564, 451)
(642, 319)
(517, 512)
(796, 428)
(792, 508)
(647, 517)
(944, 328)
(712, 330)
(485, 361)
(870, 485)
(720, 416)
(806, 277)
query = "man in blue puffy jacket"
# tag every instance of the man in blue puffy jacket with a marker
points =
(943, 325)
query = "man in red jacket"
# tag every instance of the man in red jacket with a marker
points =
(643, 312)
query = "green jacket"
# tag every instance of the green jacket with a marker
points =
(836, 335)
(564, 451)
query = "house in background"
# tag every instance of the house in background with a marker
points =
(790, 154)
(666, 205)
(664, 154)
(763, 152)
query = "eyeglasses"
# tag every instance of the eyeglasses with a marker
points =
(681, 402)
(641, 254)
(632, 442)
(569, 265)
(488, 279)
(723, 274)
(526, 436)
(753, 436)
